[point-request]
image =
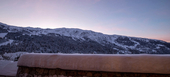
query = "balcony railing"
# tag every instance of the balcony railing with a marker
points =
(94, 65)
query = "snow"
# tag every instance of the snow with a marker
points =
(141, 63)
(8, 68)
(154, 50)
(136, 43)
(1, 58)
(74, 33)
(13, 56)
(160, 45)
(2, 35)
(125, 46)
(7, 42)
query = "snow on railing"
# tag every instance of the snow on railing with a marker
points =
(139, 63)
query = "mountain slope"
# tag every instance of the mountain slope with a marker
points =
(69, 40)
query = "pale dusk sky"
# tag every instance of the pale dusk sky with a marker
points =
(136, 18)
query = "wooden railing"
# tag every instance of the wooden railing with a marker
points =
(92, 65)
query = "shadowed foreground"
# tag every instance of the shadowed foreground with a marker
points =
(44, 72)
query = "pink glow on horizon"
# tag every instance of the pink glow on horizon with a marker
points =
(160, 37)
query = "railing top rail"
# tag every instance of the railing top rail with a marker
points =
(139, 63)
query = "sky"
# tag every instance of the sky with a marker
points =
(135, 18)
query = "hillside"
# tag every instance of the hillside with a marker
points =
(70, 40)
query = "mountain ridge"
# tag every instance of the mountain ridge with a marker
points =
(37, 28)
(73, 40)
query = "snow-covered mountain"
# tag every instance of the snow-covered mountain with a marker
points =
(69, 40)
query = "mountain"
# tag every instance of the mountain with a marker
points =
(70, 40)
